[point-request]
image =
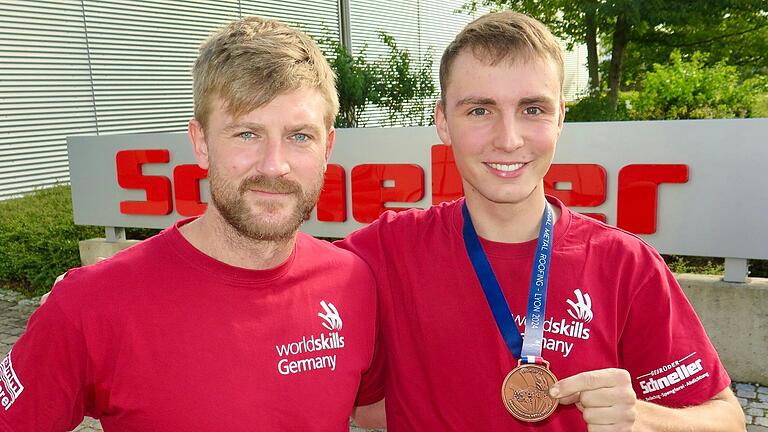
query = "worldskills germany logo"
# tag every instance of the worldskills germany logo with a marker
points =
(581, 309)
(561, 334)
(331, 316)
(311, 352)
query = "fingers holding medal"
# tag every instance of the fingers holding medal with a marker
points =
(604, 397)
(525, 392)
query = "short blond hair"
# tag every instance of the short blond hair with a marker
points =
(499, 36)
(253, 60)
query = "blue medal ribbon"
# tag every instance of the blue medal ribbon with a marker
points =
(528, 350)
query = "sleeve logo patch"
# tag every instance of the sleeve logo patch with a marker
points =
(10, 386)
(673, 377)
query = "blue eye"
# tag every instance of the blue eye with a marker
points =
(300, 137)
(247, 135)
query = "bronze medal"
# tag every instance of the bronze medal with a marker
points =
(525, 392)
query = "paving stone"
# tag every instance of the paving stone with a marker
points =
(745, 386)
(753, 428)
(88, 425)
(757, 412)
(12, 331)
(749, 394)
(10, 340)
(743, 401)
(763, 390)
(761, 421)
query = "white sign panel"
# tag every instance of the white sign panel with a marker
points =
(694, 187)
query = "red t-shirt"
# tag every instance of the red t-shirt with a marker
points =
(611, 303)
(161, 337)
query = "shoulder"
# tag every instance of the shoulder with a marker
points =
(398, 230)
(407, 223)
(613, 243)
(112, 278)
(328, 256)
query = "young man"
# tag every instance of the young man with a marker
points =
(598, 307)
(231, 321)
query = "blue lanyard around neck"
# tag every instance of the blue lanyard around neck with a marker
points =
(529, 351)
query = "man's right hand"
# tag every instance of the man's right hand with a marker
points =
(371, 416)
(44, 298)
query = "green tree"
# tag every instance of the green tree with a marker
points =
(403, 87)
(356, 82)
(618, 24)
(406, 91)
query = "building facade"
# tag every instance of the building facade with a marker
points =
(98, 67)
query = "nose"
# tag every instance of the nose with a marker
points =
(509, 135)
(273, 161)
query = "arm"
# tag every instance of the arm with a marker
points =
(721, 413)
(370, 416)
(608, 402)
(45, 375)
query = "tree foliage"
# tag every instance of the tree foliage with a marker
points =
(404, 90)
(684, 87)
(740, 40)
(396, 82)
(356, 82)
(624, 26)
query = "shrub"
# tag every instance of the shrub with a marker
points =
(760, 108)
(596, 107)
(39, 240)
(688, 89)
(711, 266)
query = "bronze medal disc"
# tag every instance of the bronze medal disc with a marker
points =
(526, 392)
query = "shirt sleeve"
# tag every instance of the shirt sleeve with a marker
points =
(371, 388)
(664, 346)
(365, 243)
(44, 375)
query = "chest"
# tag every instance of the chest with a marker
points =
(438, 310)
(234, 363)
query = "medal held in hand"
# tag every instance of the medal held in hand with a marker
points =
(525, 391)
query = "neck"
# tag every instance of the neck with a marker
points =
(213, 236)
(508, 222)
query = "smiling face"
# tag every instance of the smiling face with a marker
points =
(502, 121)
(266, 167)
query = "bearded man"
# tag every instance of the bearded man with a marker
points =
(232, 321)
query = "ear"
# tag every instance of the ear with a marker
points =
(441, 124)
(329, 144)
(562, 116)
(199, 145)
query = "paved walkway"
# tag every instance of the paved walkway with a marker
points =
(14, 312)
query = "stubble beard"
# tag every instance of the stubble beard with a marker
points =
(231, 203)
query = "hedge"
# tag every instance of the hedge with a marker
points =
(39, 240)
